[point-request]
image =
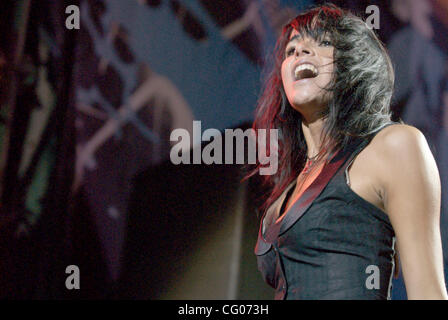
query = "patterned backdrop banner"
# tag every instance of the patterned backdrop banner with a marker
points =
(145, 68)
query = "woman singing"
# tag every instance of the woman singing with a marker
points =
(352, 188)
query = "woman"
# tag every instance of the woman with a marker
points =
(353, 187)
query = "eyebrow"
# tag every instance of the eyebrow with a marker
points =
(296, 37)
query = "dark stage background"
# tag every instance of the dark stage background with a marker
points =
(85, 120)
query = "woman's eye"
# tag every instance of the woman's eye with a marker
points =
(326, 43)
(289, 51)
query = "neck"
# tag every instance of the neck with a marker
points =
(312, 132)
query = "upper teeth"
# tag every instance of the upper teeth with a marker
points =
(303, 67)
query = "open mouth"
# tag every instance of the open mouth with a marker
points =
(305, 71)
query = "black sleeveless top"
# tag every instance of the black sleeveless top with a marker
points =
(330, 243)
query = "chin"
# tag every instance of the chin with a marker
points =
(310, 104)
(304, 102)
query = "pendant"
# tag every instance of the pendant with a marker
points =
(307, 166)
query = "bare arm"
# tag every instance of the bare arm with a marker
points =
(410, 185)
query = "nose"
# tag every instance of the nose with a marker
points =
(304, 49)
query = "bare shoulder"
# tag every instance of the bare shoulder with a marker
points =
(397, 156)
(399, 138)
(404, 153)
(393, 144)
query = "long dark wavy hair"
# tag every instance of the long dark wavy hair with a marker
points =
(361, 87)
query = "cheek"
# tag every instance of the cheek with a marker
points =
(328, 71)
(284, 74)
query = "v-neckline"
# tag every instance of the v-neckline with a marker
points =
(285, 201)
(284, 205)
(275, 228)
(284, 198)
(276, 205)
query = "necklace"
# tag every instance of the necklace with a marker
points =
(308, 165)
(312, 158)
